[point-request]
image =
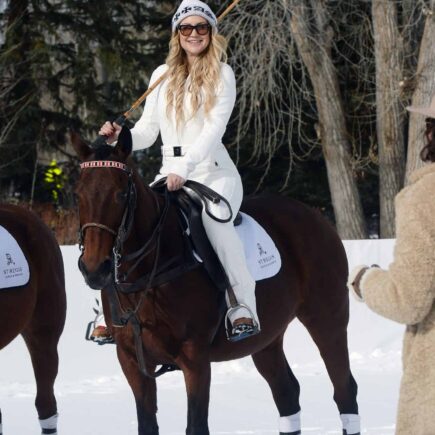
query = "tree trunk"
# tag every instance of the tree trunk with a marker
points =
(424, 90)
(315, 52)
(389, 113)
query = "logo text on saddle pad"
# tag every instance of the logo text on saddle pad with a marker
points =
(262, 256)
(14, 269)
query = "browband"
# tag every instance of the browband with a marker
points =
(104, 164)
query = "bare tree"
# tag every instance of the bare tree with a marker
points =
(313, 36)
(424, 80)
(389, 109)
(277, 70)
(269, 85)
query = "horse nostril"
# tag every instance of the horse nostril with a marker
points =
(105, 267)
(98, 278)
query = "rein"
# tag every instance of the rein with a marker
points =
(205, 194)
(120, 316)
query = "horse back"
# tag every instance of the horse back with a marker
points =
(312, 278)
(299, 231)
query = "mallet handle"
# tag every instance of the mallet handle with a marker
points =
(101, 139)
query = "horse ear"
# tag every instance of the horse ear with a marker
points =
(82, 149)
(124, 145)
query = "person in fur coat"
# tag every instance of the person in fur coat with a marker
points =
(405, 293)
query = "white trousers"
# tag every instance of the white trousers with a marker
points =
(225, 241)
(229, 249)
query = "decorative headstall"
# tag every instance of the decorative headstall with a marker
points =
(127, 218)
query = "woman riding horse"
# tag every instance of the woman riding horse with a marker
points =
(191, 109)
(126, 226)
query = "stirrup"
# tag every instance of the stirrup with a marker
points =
(98, 334)
(243, 330)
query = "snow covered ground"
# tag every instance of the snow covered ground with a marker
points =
(94, 398)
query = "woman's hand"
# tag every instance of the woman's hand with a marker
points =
(174, 182)
(111, 131)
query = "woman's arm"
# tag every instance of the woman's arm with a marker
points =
(214, 128)
(147, 128)
(405, 293)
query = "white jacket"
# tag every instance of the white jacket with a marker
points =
(200, 137)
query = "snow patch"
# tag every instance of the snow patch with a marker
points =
(91, 386)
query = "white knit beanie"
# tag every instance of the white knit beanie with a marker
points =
(193, 7)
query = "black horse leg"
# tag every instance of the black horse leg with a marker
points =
(144, 391)
(1, 430)
(197, 378)
(273, 366)
(331, 341)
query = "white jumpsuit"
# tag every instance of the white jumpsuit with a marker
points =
(204, 159)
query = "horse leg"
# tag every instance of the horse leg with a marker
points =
(197, 377)
(42, 346)
(331, 340)
(144, 391)
(273, 366)
(1, 430)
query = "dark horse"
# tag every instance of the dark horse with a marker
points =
(36, 310)
(180, 321)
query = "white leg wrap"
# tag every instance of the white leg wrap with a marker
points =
(49, 425)
(291, 423)
(351, 423)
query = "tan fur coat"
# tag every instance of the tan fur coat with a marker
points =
(405, 293)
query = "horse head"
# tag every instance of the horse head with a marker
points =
(106, 200)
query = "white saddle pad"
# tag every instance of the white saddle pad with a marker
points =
(262, 256)
(14, 269)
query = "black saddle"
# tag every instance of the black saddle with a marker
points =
(190, 209)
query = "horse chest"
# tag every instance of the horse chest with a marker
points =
(159, 345)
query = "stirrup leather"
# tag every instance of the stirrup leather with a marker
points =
(242, 330)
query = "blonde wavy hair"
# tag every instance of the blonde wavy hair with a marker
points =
(204, 76)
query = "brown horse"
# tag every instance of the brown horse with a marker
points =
(180, 321)
(36, 310)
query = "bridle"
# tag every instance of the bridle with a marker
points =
(124, 229)
(125, 226)
(121, 317)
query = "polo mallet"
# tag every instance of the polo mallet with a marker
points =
(101, 140)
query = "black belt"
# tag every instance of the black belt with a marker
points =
(177, 151)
